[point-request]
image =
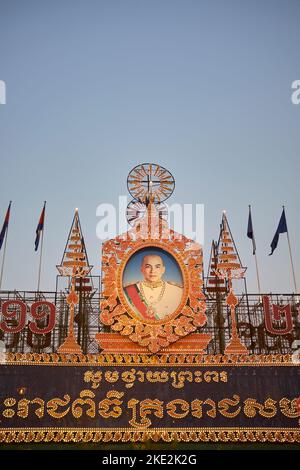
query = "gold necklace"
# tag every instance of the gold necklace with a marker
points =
(150, 305)
(152, 285)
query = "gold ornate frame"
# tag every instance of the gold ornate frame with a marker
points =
(115, 310)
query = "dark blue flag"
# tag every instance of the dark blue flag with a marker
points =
(39, 228)
(5, 226)
(282, 228)
(250, 233)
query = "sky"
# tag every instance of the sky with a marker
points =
(203, 88)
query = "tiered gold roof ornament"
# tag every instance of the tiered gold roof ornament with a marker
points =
(229, 267)
(75, 265)
(215, 287)
(125, 307)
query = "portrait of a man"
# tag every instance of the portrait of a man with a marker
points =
(157, 294)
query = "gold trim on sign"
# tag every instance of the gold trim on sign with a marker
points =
(16, 435)
(154, 360)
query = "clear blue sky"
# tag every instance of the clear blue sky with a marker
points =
(201, 87)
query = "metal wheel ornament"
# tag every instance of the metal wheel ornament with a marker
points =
(149, 182)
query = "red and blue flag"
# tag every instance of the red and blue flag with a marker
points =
(5, 226)
(40, 228)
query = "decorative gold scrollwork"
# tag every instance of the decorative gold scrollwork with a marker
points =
(116, 311)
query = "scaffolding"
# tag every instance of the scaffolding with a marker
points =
(250, 321)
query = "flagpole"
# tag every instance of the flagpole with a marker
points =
(41, 254)
(4, 250)
(257, 276)
(255, 256)
(3, 258)
(291, 258)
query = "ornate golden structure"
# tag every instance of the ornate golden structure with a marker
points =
(166, 352)
(151, 184)
(75, 265)
(229, 268)
(152, 232)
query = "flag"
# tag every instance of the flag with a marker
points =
(282, 228)
(5, 226)
(39, 228)
(250, 233)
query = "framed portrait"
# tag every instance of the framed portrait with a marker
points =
(152, 290)
(152, 284)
